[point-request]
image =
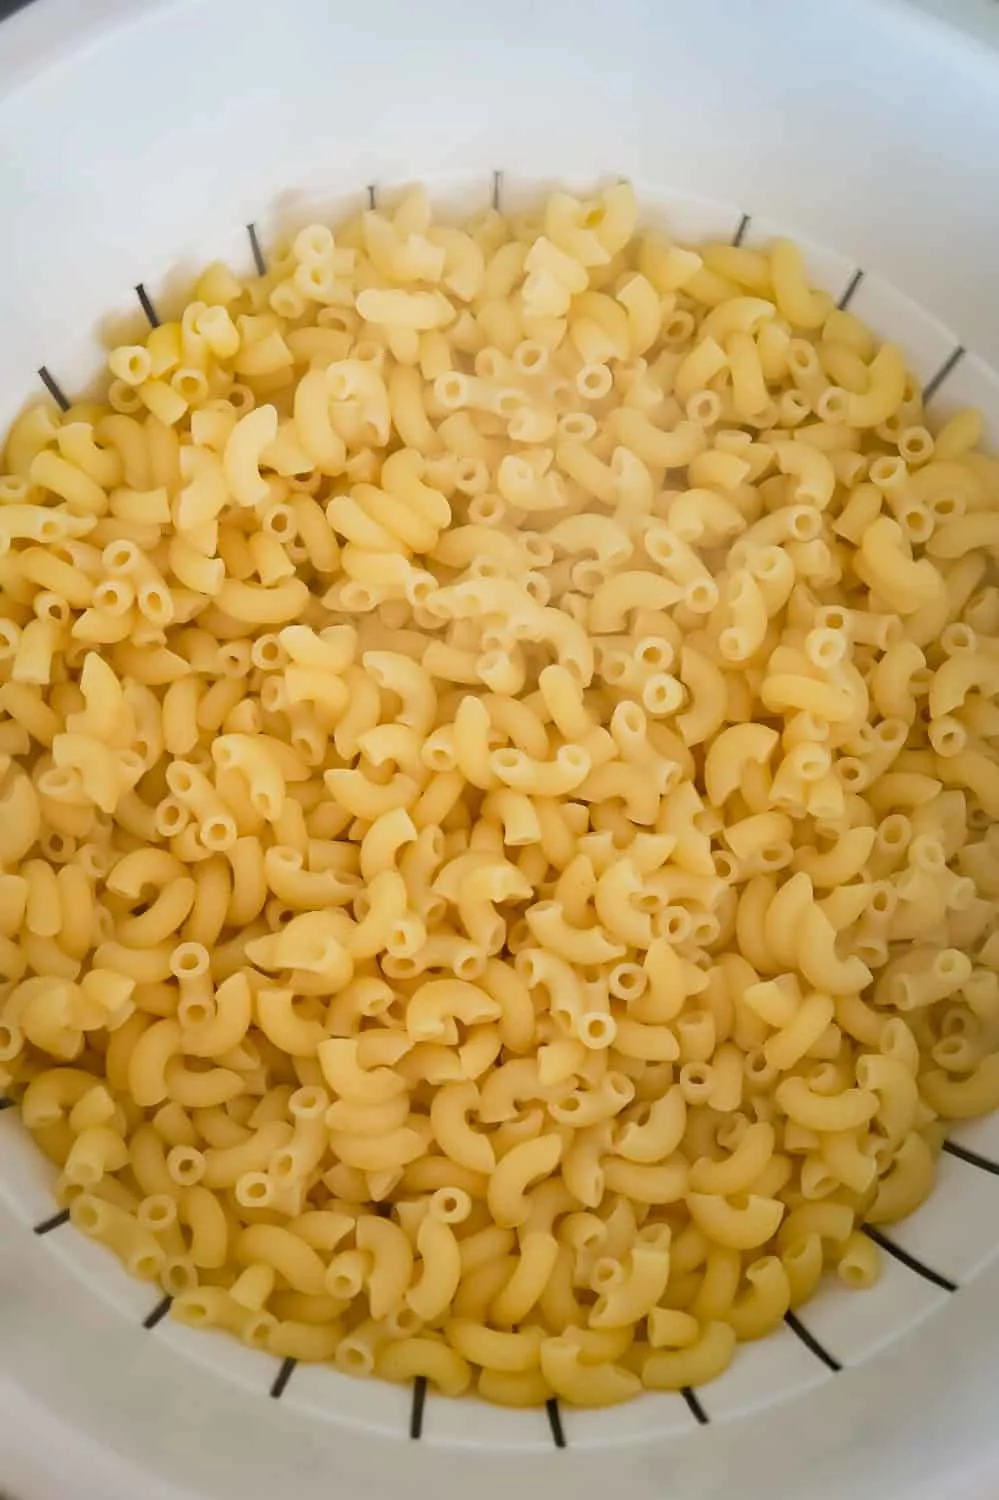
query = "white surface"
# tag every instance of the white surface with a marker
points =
(867, 132)
(832, 120)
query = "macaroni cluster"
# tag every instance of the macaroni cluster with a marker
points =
(498, 780)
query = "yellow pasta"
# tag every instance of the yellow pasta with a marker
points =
(496, 779)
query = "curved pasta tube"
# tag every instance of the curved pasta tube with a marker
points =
(201, 1090)
(650, 1043)
(583, 1384)
(531, 1275)
(277, 1019)
(272, 1245)
(512, 1353)
(636, 1295)
(963, 1098)
(788, 1045)
(440, 1274)
(615, 908)
(437, 1004)
(312, 942)
(848, 1110)
(396, 673)
(907, 1183)
(705, 683)
(659, 1182)
(313, 425)
(388, 902)
(747, 610)
(602, 535)
(819, 961)
(554, 778)
(449, 1110)
(675, 1369)
(762, 1306)
(391, 1262)
(740, 1170)
(730, 752)
(362, 798)
(242, 452)
(148, 1062)
(436, 1361)
(842, 863)
(522, 1165)
(905, 584)
(812, 469)
(885, 392)
(342, 1070)
(388, 1152)
(624, 592)
(576, 945)
(661, 1134)
(737, 1226)
(897, 1090)
(261, 603)
(956, 677)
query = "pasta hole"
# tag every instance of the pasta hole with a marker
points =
(308, 1103)
(121, 557)
(915, 444)
(577, 425)
(733, 644)
(946, 507)
(511, 401)
(852, 772)
(678, 327)
(594, 382)
(676, 925)
(185, 1166)
(704, 408)
(190, 385)
(509, 760)
(804, 525)
(597, 1030)
(145, 1265)
(192, 1310)
(178, 1277)
(802, 358)
(470, 965)
(606, 1274)
(13, 489)
(615, 667)
(88, 1216)
(888, 473)
(853, 1274)
(701, 595)
(195, 1012)
(218, 833)
(189, 959)
(342, 1284)
(655, 654)
(355, 1359)
(254, 1189)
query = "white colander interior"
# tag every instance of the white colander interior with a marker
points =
(118, 198)
(926, 1258)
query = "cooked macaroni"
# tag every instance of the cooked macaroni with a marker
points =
(497, 764)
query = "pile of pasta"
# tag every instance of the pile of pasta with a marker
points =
(498, 780)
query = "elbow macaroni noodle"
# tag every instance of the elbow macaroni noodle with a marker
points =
(497, 773)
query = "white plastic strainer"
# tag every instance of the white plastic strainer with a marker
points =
(142, 135)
